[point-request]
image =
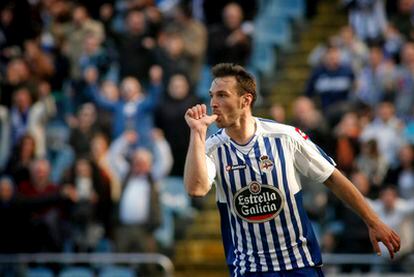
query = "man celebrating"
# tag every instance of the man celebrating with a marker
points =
(259, 167)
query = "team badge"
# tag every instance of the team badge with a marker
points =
(266, 165)
(257, 203)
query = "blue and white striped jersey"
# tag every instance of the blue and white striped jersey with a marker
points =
(258, 190)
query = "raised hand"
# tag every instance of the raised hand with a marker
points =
(197, 118)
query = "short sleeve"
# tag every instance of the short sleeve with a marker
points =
(211, 170)
(310, 160)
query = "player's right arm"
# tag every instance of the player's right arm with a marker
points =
(196, 179)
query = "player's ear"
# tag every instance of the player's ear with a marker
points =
(247, 99)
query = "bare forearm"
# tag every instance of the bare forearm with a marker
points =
(195, 170)
(349, 194)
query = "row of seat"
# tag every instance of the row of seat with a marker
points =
(77, 271)
(273, 28)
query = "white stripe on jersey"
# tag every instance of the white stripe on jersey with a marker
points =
(280, 243)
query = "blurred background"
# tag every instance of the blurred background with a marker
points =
(93, 138)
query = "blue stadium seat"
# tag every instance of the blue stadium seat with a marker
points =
(117, 271)
(263, 58)
(39, 272)
(76, 272)
(273, 29)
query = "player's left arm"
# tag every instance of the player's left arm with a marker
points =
(378, 231)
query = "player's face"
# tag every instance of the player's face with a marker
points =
(225, 101)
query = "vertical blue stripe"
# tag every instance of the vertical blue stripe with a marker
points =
(275, 236)
(224, 184)
(263, 234)
(312, 242)
(289, 201)
(234, 189)
(251, 229)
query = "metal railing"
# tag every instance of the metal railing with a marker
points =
(92, 258)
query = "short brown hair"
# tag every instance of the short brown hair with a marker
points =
(245, 81)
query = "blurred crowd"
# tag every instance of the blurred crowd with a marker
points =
(358, 105)
(92, 130)
(92, 134)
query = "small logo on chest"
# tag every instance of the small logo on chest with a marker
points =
(235, 167)
(266, 165)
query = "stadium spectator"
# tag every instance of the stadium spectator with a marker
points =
(49, 230)
(402, 19)
(171, 55)
(396, 212)
(331, 84)
(404, 94)
(134, 110)
(367, 18)
(139, 205)
(74, 35)
(347, 146)
(229, 42)
(100, 156)
(372, 163)
(169, 118)
(86, 128)
(5, 143)
(22, 232)
(19, 163)
(403, 175)
(92, 211)
(377, 80)
(194, 35)
(135, 47)
(389, 126)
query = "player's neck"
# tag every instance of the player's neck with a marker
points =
(243, 131)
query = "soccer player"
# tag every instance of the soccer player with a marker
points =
(259, 167)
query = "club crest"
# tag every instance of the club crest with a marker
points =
(266, 165)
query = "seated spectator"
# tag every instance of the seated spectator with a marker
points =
(169, 117)
(134, 110)
(59, 152)
(139, 205)
(404, 94)
(309, 119)
(331, 84)
(389, 127)
(100, 156)
(403, 175)
(402, 19)
(19, 163)
(91, 213)
(47, 221)
(372, 163)
(194, 35)
(19, 113)
(87, 127)
(229, 41)
(171, 56)
(25, 232)
(377, 80)
(396, 213)
(346, 146)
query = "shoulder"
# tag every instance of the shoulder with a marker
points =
(275, 129)
(214, 141)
